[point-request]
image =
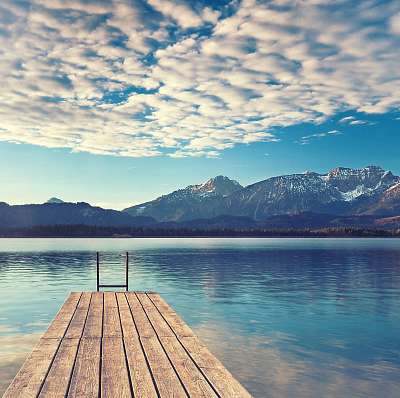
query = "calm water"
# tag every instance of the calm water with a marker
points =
(289, 317)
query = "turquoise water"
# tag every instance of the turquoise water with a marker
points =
(288, 317)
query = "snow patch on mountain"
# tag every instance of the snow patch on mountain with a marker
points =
(355, 193)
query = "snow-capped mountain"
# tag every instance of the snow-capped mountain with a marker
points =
(194, 201)
(342, 191)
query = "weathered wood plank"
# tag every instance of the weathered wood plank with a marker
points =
(121, 345)
(31, 376)
(111, 325)
(139, 371)
(94, 321)
(127, 324)
(57, 380)
(77, 324)
(193, 380)
(221, 379)
(158, 322)
(114, 374)
(86, 374)
(141, 321)
(29, 379)
(168, 383)
(60, 323)
(174, 320)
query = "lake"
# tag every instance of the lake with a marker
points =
(288, 317)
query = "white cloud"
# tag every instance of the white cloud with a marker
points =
(178, 11)
(109, 77)
(307, 138)
(395, 23)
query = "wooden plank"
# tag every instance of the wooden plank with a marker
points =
(114, 374)
(221, 379)
(29, 379)
(111, 325)
(121, 345)
(57, 380)
(159, 324)
(174, 320)
(127, 324)
(60, 323)
(139, 316)
(139, 371)
(86, 373)
(168, 383)
(77, 324)
(193, 380)
(94, 321)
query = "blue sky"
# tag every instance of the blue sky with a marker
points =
(116, 102)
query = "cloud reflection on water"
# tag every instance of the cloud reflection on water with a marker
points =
(269, 371)
(14, 348)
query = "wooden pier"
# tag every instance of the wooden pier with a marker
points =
(116, 345)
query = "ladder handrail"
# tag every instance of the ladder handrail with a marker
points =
(126, 285)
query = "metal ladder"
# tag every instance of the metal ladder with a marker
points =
(126, 285)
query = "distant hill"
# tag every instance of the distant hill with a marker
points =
(65, 214)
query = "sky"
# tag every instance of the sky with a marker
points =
(116, 102)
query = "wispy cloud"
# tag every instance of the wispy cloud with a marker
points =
(136, 78)
(352, 121)
(307, 138)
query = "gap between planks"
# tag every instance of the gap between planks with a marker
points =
(121, 344)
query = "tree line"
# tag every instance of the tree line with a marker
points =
(69, 231)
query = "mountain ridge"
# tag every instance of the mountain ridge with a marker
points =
(341, 191)
(341, 197)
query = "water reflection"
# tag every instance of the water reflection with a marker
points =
(287, 317)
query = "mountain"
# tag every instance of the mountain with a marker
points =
(23, 216)
(55, 200)
(195, 201)
(343, 197)
(341, 192)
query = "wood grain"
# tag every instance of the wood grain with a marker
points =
(158, 322)
(94, 321)
(29, 379)
(168, 383)
(193, 380)
(57, 380)
(174, 320)
(86, 372)
(121, 345)
(111, 323)
(114, 374)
